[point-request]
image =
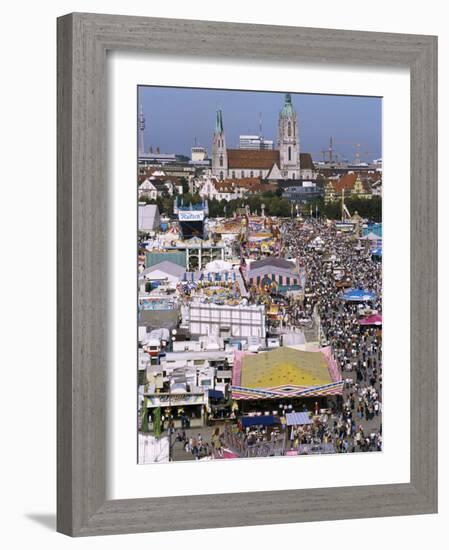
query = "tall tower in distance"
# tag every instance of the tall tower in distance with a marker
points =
(288, 140)
(141, 132)
(219, 153)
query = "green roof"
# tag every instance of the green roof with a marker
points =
(175, 256)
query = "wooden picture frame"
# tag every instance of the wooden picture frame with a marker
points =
(83, 41)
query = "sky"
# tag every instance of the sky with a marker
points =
(176, 117)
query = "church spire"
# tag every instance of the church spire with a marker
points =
(288, 140)
(219, 152)
(219, 122)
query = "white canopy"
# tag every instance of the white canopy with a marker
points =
(372, 237)
(217, 266)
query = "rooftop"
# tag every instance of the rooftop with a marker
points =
(165, 266)
(252, 158)
(156, 319)
(283, 367)
(275, 262)
(148, 216)
(306, 161)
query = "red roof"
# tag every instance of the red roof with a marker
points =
(251, 185)
(242, 182)
(345, 182)
(224, 186)
(252, 159)
(262, 188)
(306, 161)
(348, 181)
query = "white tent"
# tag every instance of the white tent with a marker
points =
(372, 237)
(164, 270)
(149, 218)
(218, 266)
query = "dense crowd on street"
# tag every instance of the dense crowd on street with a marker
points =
(354, 423)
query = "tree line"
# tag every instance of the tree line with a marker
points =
(275, 205)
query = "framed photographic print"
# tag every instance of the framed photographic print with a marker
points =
(247, 235)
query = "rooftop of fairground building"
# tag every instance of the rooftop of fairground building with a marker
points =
(283, 367)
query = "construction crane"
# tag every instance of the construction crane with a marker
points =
(358, 153)
(330, 154)
(317, 154)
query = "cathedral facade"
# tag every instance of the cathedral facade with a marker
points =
(284, 162)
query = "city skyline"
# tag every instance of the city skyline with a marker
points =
(178, 118)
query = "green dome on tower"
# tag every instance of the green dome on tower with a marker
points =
(288, 109)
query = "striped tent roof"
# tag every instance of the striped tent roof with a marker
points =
(298, 419)
(285, 372)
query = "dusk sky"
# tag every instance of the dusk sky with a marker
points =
(176, 116)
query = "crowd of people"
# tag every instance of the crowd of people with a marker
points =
(354, 424)
(198, 447)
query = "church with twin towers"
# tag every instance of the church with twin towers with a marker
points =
(285, 162)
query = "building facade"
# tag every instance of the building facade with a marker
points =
(260, 162)
(349, 185)
(301, 191)
(273, 271)
(198, 153)
(255, 142)
(239, 321)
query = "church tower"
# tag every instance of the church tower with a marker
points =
(219, 153)
(288, 140)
